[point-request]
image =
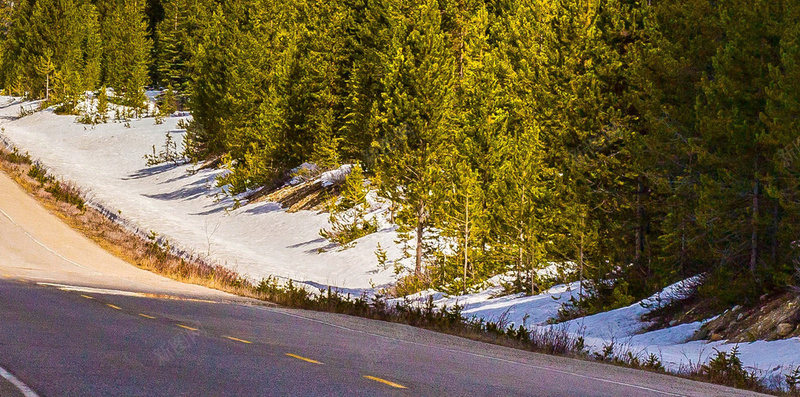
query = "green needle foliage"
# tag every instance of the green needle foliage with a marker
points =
(636, 142)
(348, 214)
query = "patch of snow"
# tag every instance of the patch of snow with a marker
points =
(333, 177)
(624, 326)
(301, 173)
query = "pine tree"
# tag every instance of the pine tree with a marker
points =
(734, 147)
(6, 16)
(415, 122)
(102, 105)
(667, 69)
(49, 52)
(782, 119)
(348, 213)
(370, 24)
(7, 9)
(177, 39)
(92, 46)
(126, 52)
(167, 102)
(473, 160)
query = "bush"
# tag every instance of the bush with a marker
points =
(167, 104)
(67, 193)
(169, 154)
(727, 369)
(348, 217)
(793, 382)
(39, 174)
(15, 157)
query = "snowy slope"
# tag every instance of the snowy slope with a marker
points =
(257, 240)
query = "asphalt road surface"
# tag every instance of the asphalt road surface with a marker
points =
(76, 321)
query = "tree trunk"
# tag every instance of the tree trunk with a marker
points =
(533, 280)
(775, 216)
(580, 250)
(519, 271)
(639, 239)
(466, 242)
(754, 225)
(420, 229)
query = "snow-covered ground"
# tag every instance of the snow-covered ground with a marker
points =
(624, 327)
(261, 240)
(257, 240)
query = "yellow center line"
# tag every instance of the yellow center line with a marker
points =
(308, 360)
(238, 340)
(186, 327)
(385, 382)
(113, 306)
(87, 296)
(146, 316)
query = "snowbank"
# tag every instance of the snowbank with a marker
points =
(623, 327)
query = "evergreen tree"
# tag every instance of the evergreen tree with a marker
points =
(667, 69)
(176, 40)
(51, 51)
(782, 119)
(7, 8)
(348, 213)
(734, 147)
(480, 123)
(126, 52)
(370, 24)
(102, 105)
(415, 122)
(167, 102)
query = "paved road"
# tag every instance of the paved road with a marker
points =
(76, 321)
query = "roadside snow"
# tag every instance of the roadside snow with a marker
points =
(624, 327)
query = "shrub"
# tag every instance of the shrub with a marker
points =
(38, 173)
(67, 193)
(169, 154)
(15, 157)
(348, 217)
(727, 369)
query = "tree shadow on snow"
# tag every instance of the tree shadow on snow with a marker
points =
(265, 208)
(189, 192)
(150, 171)
(314, 241)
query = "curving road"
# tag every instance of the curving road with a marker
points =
(76, 321)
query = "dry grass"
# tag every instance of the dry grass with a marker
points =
(306, 196)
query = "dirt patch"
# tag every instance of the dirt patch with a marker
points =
(684, 311)
(309, 196)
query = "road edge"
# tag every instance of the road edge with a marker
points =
(20, 385)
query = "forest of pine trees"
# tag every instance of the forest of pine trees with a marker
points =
(643, 141)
